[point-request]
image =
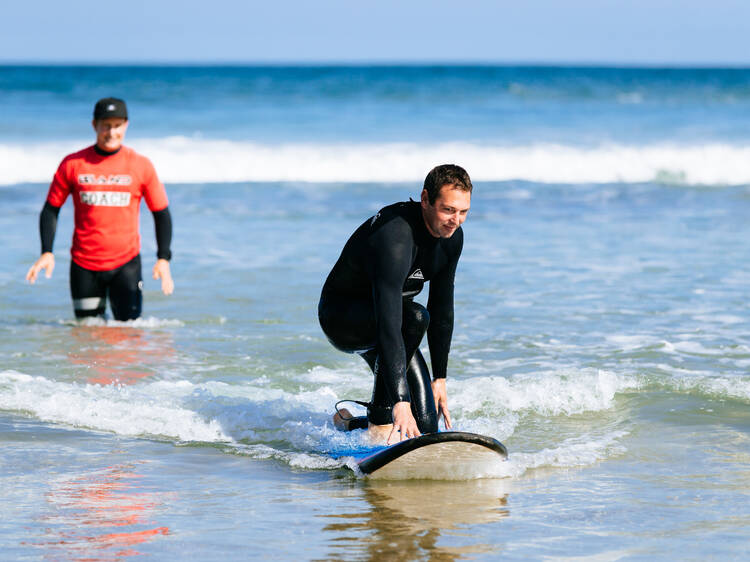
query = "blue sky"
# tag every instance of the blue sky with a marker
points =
(654, 32)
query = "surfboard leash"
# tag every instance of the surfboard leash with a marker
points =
(336, 406)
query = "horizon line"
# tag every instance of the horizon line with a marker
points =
(383, 63)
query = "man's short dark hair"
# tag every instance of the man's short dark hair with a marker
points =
(446, 174)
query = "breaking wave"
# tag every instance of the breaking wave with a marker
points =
(196, 160)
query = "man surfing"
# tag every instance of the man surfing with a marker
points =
(367, 305)
(107, 181)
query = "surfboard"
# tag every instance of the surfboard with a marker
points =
(448, 455)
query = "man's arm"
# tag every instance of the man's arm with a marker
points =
(48, 226)
(47, 229)
(440, 330)
(440, 307)
(439, 335)
(58, 192)
(388, 273)
(391, 255)
(163, 231)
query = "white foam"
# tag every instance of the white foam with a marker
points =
(633, 342)
(696, 348)
(729, 319)
(148, 322)
(198, 160)
(181, 411)
(500, 427)
(252, 417)
(296, 460)
(125, 410)
(722, 387)
(545, 393)
(584, 450)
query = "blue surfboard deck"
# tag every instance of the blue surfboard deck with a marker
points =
(448, 455)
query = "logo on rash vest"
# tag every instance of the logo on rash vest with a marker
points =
(417, 275)
(113, 179)
(106, 198)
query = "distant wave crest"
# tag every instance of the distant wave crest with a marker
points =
(194, 160)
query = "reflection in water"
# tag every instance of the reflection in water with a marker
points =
(99, 517)
(406, 519)
(117, 354)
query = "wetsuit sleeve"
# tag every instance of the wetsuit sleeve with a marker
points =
(163, 230)
(48, 225)
(59, 189)
(58, 192)
(153, 190)
(440, 307)
(391, 253)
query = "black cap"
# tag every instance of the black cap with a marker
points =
(110, 107)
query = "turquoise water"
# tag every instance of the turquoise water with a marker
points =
(603, 325)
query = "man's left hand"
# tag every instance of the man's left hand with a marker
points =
(161, 271)
(441, 401)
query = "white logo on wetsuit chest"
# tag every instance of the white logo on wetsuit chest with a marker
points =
(112, 179)
(106, 198)
(417, 275)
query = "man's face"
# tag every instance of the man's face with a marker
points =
(110, 132)
(448, 213)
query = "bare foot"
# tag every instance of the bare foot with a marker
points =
(341, 419)
(378, 434)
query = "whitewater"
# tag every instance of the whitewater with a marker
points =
(191, 160)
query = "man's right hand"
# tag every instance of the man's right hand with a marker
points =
(45, 262)
(161, 271)
(404, 424)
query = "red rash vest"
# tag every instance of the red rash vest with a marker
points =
(107, 193)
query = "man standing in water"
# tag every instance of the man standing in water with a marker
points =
(107, 181)
(367, 305)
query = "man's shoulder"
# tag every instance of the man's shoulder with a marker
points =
(390, 233)
(80, 155)
(395, 216)
(133, 154)
(136, 160)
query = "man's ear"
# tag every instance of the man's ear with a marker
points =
(425, 199)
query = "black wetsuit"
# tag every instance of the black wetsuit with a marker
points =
(366, 307)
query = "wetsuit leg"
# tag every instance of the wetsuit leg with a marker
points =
(88, 290)
(422, 399)
(349, 324)
(125, 290)
(414, 325)
(350, 327)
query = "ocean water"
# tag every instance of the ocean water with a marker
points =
(602, 317)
